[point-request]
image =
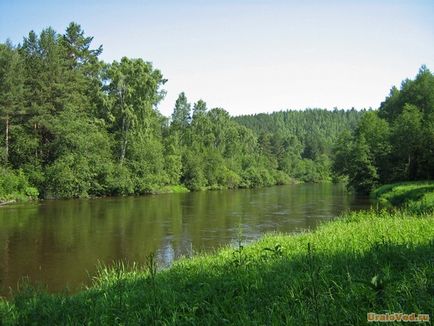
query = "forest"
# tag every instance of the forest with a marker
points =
(393, 144)
(75, 126)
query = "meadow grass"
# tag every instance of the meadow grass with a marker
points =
(368, 261)
(417, 196)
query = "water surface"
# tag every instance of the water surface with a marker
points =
(59, 243)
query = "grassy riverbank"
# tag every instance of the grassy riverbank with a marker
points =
(413, 196)
(366, 261)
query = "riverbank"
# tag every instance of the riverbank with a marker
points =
(25, 192)
(372, 261)
(415, 196)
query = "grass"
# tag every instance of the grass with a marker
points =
(374, 261)
(170, 189)
(414, 196)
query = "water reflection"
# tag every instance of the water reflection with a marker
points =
(59, 243)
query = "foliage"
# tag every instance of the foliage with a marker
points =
(300, 142)
(79, 127)
(15, 186)
(353, 157)
(396, 142)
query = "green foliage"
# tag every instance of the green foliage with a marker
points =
(365, 261)
(353, 158)
(172, 159)
(170, 189)
(14, 185)
(418, 92)
(181, 116)
(121, 181)
(364, 176)
(133, 91)
(281, 178)
(393, 144)
(78, 127)
(192, 175)
(11, 92)
(230, 179)
(406, 139)
(300, 142)
(82, 152)
(257, 177)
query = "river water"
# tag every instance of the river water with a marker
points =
(59, 243)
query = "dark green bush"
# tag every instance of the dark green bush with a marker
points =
(14, 185)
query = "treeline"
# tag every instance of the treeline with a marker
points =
(300, 143)
(75, 126)
(395, 143)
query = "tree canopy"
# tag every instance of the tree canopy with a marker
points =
(398, 139)
(72, 125)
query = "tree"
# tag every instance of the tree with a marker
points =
(407, 140)
(84, 66)
(83, 165)
(418, 92)
(172, 158)
(11, 90)
(48, 89)
(78, 47)
(74, 126)
(133, 89)
(181, 116)
(363, 174)
(376, 132)
(199, 108)
(353, 158)
(396, 142)
(426, 166)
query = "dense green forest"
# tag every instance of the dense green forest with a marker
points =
(75, 126)
(300, 143)
(395, 143)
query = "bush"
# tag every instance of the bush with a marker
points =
(281, 178)
(257, 177)
(192, 173)
(231, 179)
(120, 181)
(14, 185)
(68, 177)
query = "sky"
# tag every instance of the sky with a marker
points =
(252, 56)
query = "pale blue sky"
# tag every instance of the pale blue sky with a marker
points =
(252, 56)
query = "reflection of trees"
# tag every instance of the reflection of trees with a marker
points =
(58, 240)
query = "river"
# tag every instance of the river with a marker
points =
(58, 243)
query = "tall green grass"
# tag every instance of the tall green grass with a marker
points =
(414, 196)
(374, 261)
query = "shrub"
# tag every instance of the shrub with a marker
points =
(15, 185)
